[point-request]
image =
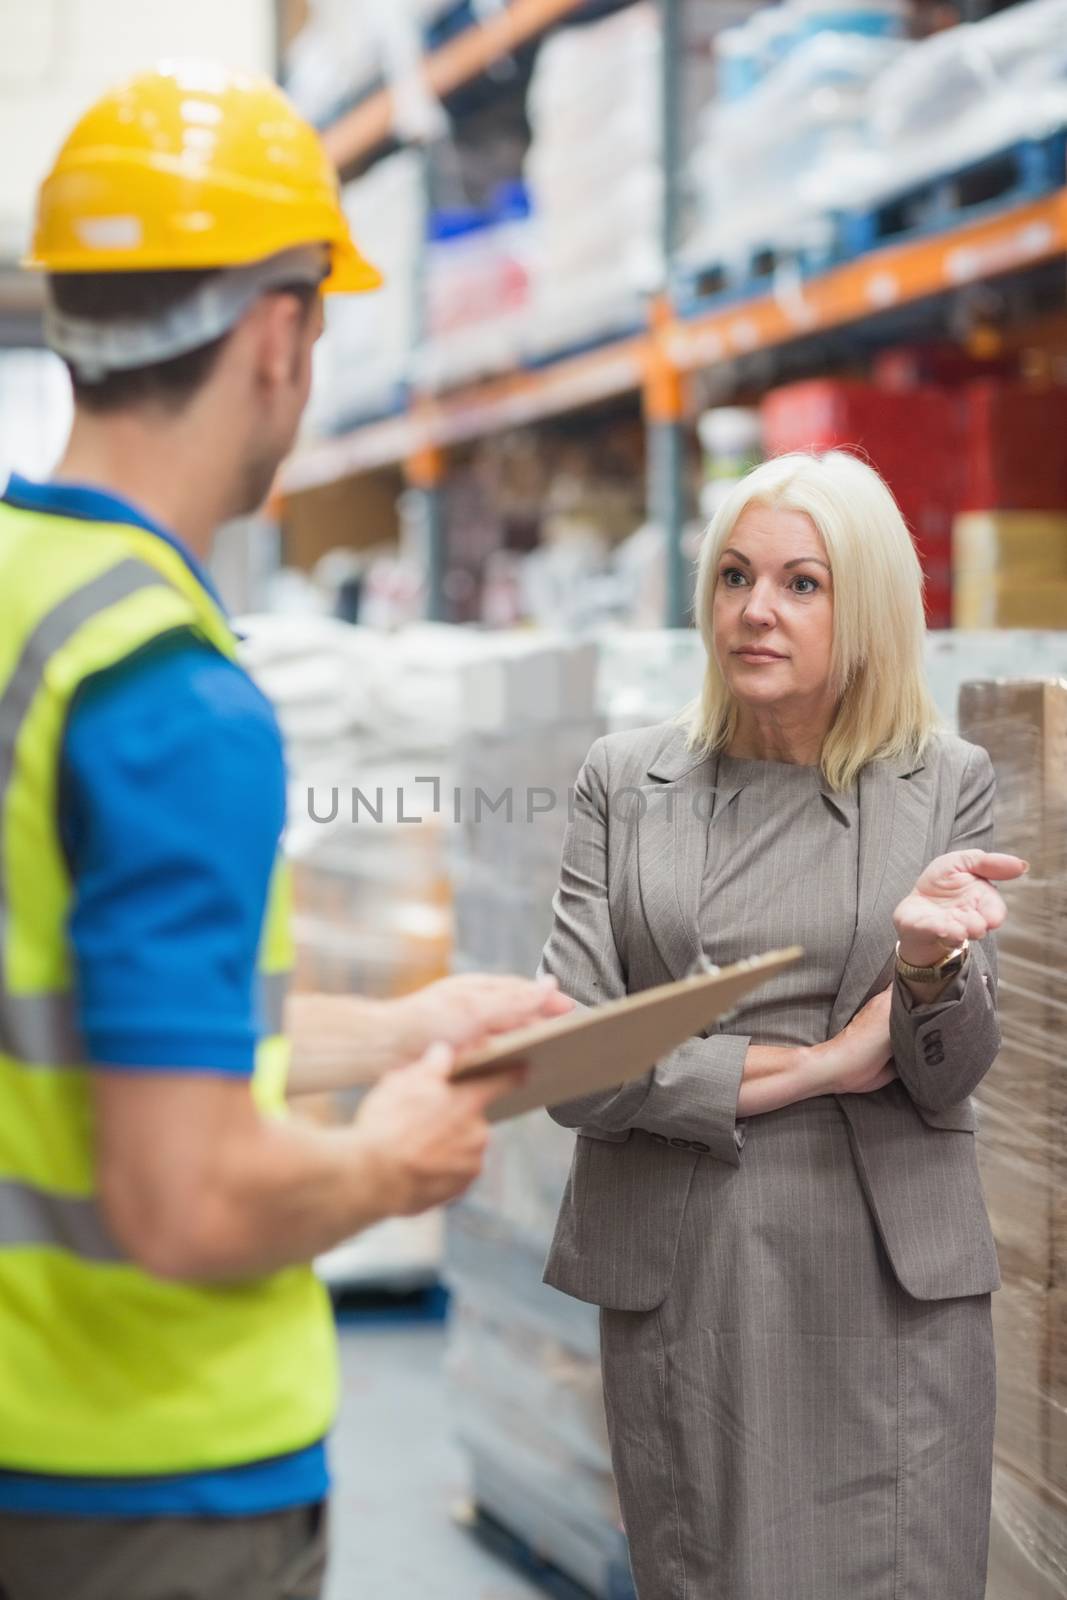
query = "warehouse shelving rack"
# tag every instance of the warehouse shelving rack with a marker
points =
(362, 132)
(655, 365)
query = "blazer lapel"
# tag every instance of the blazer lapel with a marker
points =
(671, 846)
(894, 814)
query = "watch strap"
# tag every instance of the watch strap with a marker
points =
(947, 968)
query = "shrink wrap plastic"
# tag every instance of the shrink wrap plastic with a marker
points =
(523, 1361)
(1023, 1119)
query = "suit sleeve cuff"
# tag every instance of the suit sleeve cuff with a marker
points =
(692, 1103)
(965, 1009)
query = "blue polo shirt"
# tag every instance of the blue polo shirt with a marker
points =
(171, 806)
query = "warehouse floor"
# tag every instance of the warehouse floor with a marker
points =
(398, 1479)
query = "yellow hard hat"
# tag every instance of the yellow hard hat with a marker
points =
(189, 166)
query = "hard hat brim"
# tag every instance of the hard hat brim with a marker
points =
(350, 271)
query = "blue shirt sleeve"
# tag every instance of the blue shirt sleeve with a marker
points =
(172, 803)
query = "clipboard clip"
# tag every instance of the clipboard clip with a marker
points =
(703, 968)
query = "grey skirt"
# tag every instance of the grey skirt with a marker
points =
(790, 1424)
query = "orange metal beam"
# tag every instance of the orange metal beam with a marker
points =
(520, 398)
(439, 422)
(886, 278)
(463, 59)
(365, 449)
(976, 251)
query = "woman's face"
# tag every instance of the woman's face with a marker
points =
(773, 610)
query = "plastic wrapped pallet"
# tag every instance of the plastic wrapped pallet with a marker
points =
(523, 1360)
(594, 168)
(960, 97)
(478, 289)
(766, 165)
(362, 361)
(369, 720)
(1023, 1112)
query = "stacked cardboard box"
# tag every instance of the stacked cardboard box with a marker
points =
(523, 1360)
(1010, 569)
(1023, 725)
(1010, 539)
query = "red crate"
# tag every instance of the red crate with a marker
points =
(1014, 447)
(911, 437)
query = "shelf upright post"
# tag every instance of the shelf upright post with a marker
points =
(426, 472)
(664, 397)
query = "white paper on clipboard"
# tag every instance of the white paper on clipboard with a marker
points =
(600, 1047)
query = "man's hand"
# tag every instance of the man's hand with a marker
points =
(465, 1011)
(953, 900)
(423, 1136)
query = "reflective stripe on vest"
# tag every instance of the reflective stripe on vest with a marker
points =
(65, 1222)
(44, 1027)
(103, 1368)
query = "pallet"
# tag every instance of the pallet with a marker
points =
(717, 282)
(367, 1307)
(512, 1548)
(1021, 172)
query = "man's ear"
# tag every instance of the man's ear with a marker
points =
(277, 325)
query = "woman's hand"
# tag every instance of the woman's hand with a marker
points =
(858, 1060)
(953, 901)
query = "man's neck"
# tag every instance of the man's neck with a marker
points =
(155, 465)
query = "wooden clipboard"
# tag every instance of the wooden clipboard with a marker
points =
(600, 1047)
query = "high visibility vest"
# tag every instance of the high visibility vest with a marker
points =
(105, 1369)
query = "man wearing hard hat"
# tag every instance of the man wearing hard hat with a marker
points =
(167, 1362)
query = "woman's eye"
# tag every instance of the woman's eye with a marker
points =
(811, 583)
(729, 575)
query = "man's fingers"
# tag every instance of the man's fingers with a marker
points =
(482, 1092)
(439, 1059)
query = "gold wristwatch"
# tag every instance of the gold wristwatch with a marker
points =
(944, 969)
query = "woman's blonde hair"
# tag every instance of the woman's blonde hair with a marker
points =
(885, 708)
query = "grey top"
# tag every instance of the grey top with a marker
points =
(781, 868)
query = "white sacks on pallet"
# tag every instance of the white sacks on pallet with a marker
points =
(523, 1362)
(595, 169)
(363, 361)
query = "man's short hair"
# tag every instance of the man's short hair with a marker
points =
(112, 296)
(109, 296)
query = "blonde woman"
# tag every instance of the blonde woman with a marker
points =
(783, 1222)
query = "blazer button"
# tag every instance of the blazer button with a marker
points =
(703, 1149)
(681, 1144)
(659, 1138)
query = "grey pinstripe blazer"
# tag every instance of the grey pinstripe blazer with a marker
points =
(626, 919)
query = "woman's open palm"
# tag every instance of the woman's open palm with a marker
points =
(955, 900)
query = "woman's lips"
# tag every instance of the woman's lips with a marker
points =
(759, 655)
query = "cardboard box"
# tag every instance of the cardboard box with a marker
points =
(981, 600)
(1018, 544)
